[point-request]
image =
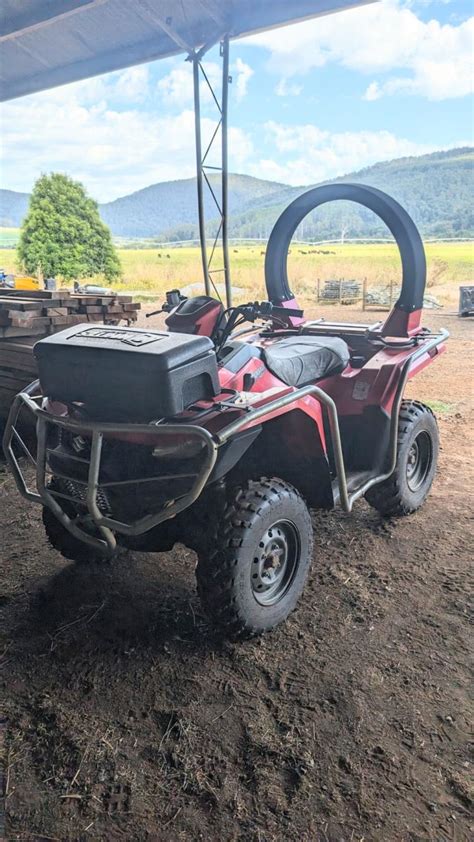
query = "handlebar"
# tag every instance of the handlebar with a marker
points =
(267, 310)
(251, 311)
(232, 317)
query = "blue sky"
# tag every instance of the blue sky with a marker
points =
(308, 102)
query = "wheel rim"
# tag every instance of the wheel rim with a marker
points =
(419, 461)
(275, 563)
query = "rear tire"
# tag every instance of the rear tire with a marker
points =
(254, 573)
(418, 445)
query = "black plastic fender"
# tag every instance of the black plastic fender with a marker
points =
(397, 220)
(232, 452)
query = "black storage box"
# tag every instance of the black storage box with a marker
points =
(127, 373)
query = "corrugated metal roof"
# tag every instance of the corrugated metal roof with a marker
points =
(46, 43)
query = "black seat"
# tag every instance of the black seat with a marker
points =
(300, 360)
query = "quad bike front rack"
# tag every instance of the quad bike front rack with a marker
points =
(47, 497)
(106, 526)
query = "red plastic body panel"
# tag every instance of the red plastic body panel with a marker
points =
(355, 389)
(292, 304)
(401, 323)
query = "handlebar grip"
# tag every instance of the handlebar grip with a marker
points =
(287, 311)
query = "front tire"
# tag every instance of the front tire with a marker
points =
(67, 544)
(252, 577)
(70, 547)
(418, 445)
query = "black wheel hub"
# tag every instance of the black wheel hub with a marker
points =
(420, 456)
(275, 563)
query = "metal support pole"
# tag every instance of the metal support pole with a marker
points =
(199, 174)
(225, 168)
(220, 197)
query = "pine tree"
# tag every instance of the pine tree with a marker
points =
(63, 236)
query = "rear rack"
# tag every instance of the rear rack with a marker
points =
(106, 526)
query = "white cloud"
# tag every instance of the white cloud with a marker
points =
(132, 84)
(314, 155)
(373, 92)
(286, 88)
(113, 152)
(176, 88)
(242, 73)
(379, 38)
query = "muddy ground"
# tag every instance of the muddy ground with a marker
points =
(126, 718)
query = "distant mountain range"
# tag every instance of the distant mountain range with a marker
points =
(436, 190)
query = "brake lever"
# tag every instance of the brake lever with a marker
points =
(156, 312)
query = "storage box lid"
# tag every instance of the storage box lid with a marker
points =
(167, 349)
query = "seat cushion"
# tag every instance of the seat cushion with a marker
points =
(300, 360)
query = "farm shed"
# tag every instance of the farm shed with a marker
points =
(49, 44)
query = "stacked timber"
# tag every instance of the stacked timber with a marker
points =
(17, 369)
(26, 316)
(32, 313)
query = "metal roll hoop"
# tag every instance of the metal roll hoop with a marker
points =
(396, 219)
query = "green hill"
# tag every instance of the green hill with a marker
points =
(13, 207)
(436, 189)
(172, 204)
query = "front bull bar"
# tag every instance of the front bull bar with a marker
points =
(106, 525)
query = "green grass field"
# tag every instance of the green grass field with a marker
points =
(8, 237)
(449, 265)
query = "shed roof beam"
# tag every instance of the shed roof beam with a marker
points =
(149, 12)
(44, 15)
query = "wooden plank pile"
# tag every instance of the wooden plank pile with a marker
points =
(28, 315)
(32, 313)
(17, 369)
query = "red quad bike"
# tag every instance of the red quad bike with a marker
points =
(221, 435)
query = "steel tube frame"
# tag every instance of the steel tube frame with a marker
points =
(346, 499)
(97, 430)
(223, 169)
(199, 174)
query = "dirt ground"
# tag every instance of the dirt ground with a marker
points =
(126, 718)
